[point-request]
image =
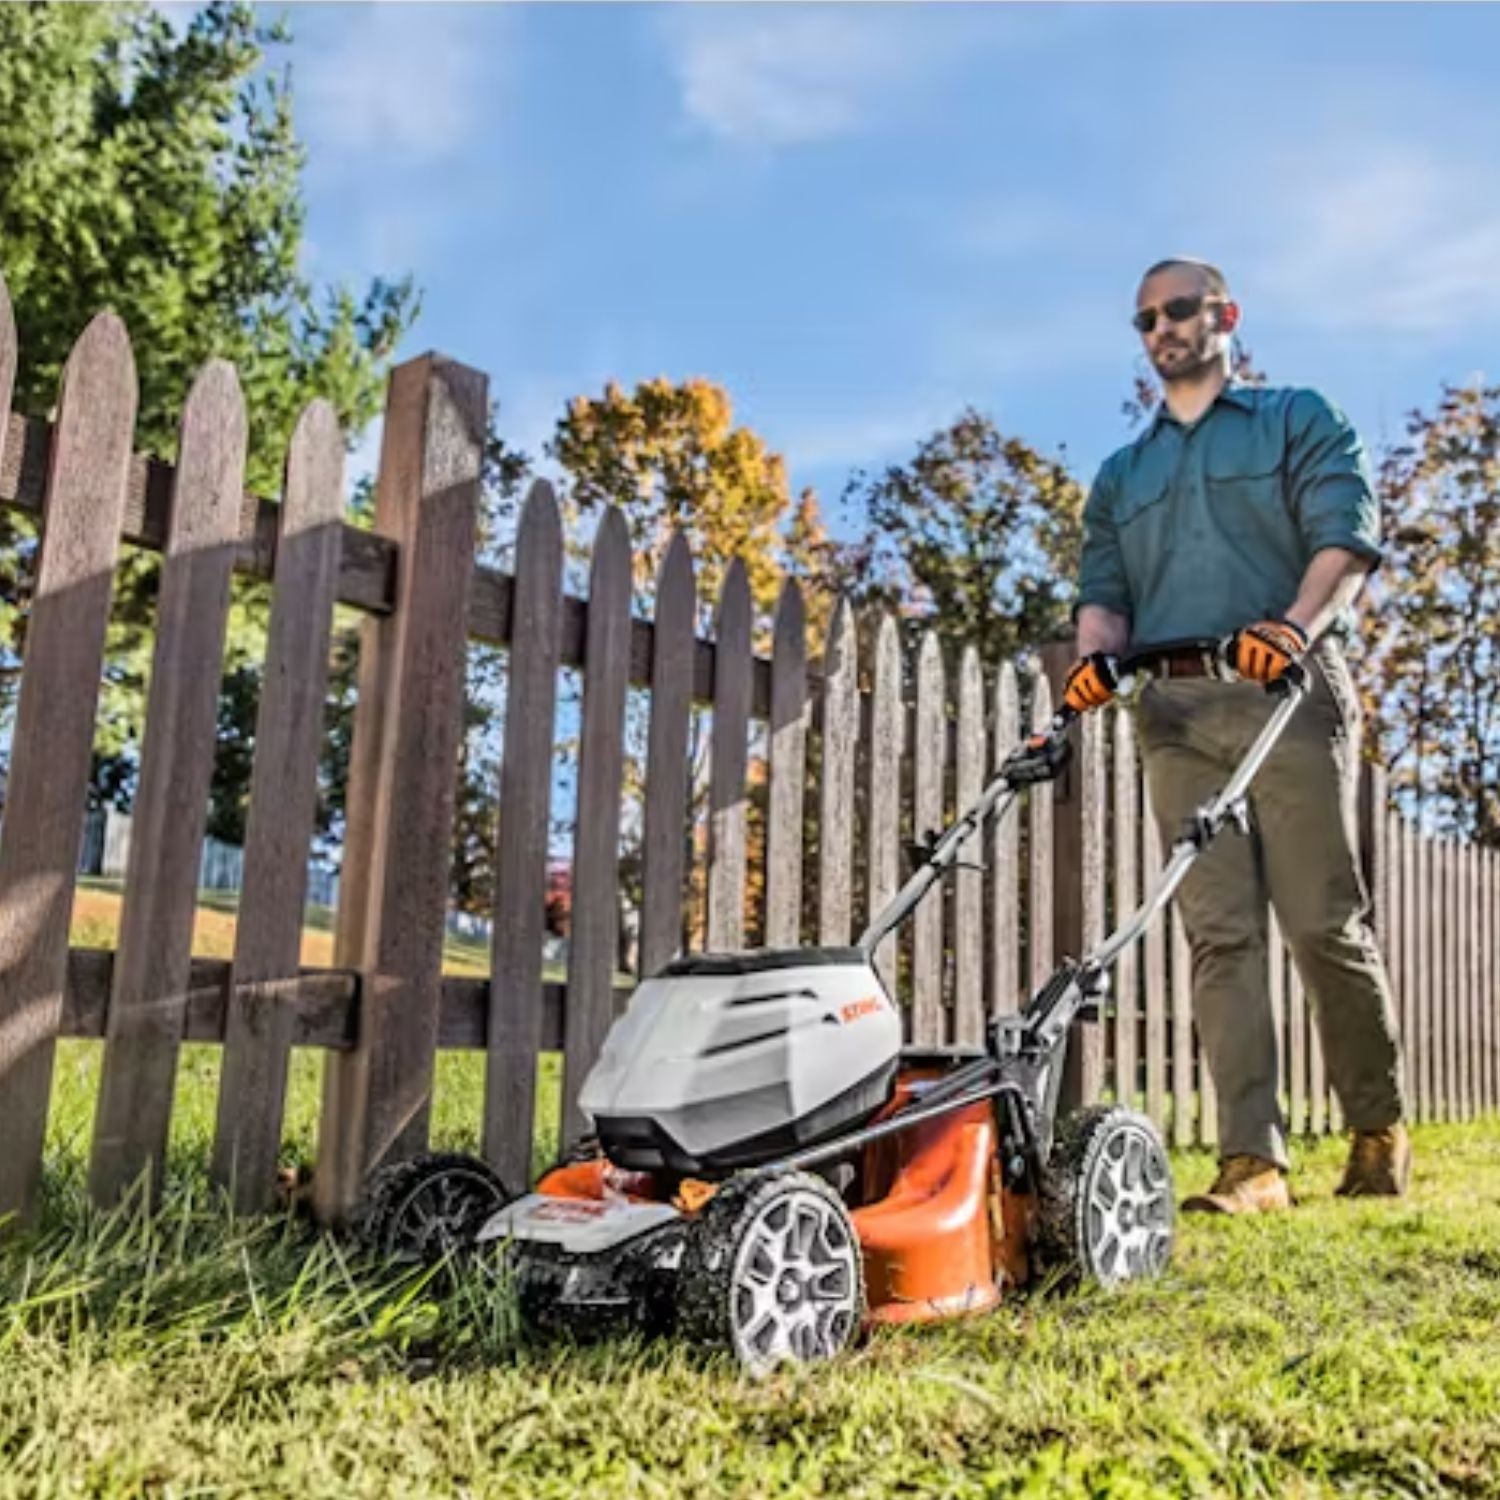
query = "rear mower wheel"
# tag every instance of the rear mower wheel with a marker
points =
(1107, 1206)
(772, 1270)
(427, 1207)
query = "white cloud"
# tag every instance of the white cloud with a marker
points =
(1392, 237)
(404, 81)
(782, 75)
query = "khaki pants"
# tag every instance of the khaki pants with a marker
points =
(1302, 854)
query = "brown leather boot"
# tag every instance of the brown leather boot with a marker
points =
(1379, 1164)
(1245, 1185)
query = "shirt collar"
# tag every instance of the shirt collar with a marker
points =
(1235, 392)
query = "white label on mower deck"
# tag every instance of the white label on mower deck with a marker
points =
(579, 1225)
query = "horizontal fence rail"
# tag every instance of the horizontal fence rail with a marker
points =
(770, 798)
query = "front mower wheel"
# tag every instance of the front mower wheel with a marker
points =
(1107, 1207)
(772, 1270)
(427, 1207)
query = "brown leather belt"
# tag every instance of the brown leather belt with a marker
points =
(1187, 663)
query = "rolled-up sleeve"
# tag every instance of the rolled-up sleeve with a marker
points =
(1329, 485)
(1101, 568)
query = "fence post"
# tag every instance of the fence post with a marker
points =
(403, 765)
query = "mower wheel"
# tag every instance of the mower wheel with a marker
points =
(1107, 1206)
(427, 1207)
(772, 1270)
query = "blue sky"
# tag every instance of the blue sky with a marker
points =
(860, 219)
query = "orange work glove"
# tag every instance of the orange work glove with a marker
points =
(1264, 650)
(1091, 682)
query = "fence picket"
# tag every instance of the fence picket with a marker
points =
(148, 999)
(403, 767)
(1039, 899)
(596, 843)
(727, 759)
(665, 817)
(1317, 1073)
(1296, 1025)
(968, 893)
(515, 989)
(1087, 1050)
(283, 812)
(1154, 962)
(788, 770)
(1425, 1018)
(927, 818)
(1276, 990)
(887, 742)
(840, 739)
(54, 731)
(1005, 859)
(1184, 1048)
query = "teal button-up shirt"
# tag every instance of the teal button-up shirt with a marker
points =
(1195, 531)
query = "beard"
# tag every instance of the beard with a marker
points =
(1185, 361)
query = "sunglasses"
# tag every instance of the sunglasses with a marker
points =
(1174, 310)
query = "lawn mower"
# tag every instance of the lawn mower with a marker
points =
(772, 1170)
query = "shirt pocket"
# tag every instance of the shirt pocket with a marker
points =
(1141, 524)
(1244, 485)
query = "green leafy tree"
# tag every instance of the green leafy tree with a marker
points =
(1430, 667)
(160, 174)
(976, 535)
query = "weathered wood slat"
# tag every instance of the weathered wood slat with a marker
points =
(1127, 851)
(177, 759)
(1296, 1025)
(515, 989)
(1184, 1081)
(1408, 972)
(1446, 944)
(665, 817)
(788, 770)
(367, 575)
(1093, 793)
(927, 1019)
(1426, 989)
(1472, 950)
(1460, 944)
(54, 733)
(839, 724)
(1317, 1073)
(1154, 964)
(1276, 990)
(728, 755)
(887, 742)
(596, 844)
(1395, 934)
(968, 892)
(1005, 859)
(323, 1004)
(1039, 892)
(376, 1101)
(283, 811)
(1487, 988)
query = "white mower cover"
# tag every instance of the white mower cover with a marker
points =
(579, 1226)
(716, 1059)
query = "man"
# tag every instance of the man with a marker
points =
(1247, 516)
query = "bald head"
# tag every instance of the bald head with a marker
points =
(1210, 279)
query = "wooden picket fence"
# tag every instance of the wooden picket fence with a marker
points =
(852, 756)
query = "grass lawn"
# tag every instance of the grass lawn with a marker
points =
(1345, 1349)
